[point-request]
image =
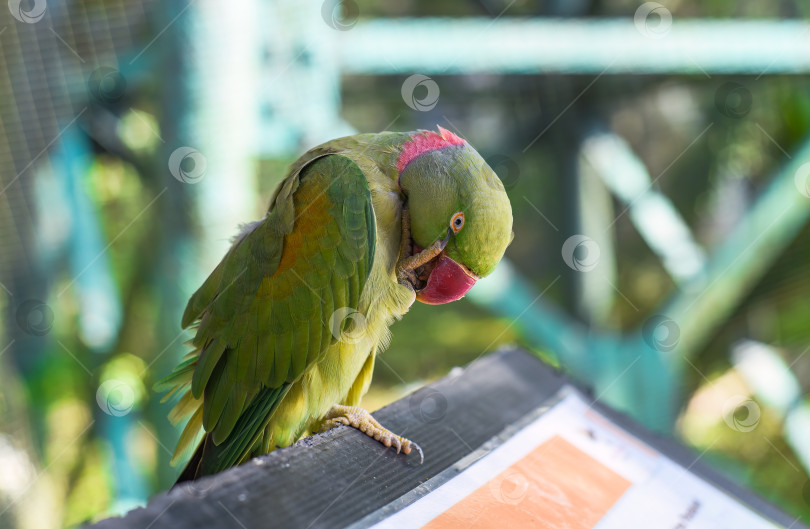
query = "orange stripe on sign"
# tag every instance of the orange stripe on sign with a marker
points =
(556, 486)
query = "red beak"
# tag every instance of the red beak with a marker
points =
(448, 282)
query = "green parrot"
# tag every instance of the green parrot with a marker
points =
(289, 323)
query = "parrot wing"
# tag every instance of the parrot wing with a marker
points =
(265, 313)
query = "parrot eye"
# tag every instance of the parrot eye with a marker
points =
(457, 222)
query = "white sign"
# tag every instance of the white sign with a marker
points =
(572, 468)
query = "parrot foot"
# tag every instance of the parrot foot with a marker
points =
(414, 264)
(360, 418)
(415, 261)
(405, 242)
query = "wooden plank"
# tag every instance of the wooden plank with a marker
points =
(343, 477)
(336, 478)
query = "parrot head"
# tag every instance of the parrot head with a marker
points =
(453, 196)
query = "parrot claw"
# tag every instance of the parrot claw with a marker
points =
(362, 420)
(413, 446)
(407, 278)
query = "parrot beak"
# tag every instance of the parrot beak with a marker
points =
(448, 281)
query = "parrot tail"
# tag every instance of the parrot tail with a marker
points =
(210, 458)
(192, 470)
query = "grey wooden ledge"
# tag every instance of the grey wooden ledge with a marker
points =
(343, 477)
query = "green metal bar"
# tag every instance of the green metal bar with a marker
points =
(521, 46)
(507, 293)
(626, 373)
(652, 213)
(743, 258)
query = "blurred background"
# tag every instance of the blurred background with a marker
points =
(657, 157)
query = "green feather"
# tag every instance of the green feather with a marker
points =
(281, 360)
(215, 396)
(300, 340)
(208, 360)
